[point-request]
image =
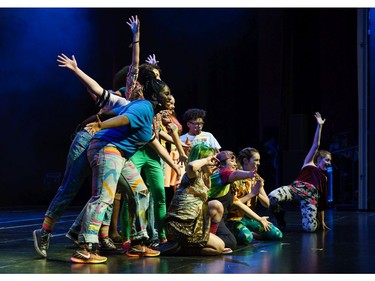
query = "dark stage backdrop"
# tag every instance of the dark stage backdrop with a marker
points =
(260, 73)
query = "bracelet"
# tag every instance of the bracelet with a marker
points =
(131, 44)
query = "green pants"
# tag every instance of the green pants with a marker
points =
(243, 230)
(149, 164)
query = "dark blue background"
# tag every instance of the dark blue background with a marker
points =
(260, 73)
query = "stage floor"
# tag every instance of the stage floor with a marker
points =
(349, 247)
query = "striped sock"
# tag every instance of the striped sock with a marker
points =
(48, 224)
(103, 232)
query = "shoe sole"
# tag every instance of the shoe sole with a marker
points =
(151, 255)
(142, 255)
(35, 238)
(75, 260)
(139, 255)
(134, 255)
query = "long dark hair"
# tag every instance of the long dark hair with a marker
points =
(153, 89)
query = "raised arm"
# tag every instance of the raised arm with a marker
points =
(196, 165)
(241, 174)
(94, 89)
(132, 76)
(92, 86)
(309, 160)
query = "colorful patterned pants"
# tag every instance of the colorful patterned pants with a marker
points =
(306, 195)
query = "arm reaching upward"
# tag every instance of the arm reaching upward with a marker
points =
(132, 76)
(92, 86)
(316, 142)
(94, 89)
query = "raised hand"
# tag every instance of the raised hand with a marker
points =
(66, 62)
(319, 118)
(134, 24)
(151, 59)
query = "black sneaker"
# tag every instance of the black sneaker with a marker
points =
(106, 245)
(153, 244)
(41, 241)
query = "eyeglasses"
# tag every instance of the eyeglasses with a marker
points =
(196, 123)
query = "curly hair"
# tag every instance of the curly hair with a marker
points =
(152, 90)
(194, 113)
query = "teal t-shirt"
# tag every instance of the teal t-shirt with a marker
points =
(131, 137)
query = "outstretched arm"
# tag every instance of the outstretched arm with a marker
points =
(163, 153)
(94, 89)
(92, 86)
(249, 212)
(98, 117)
(316, 143)
(241, 174)
(117, 121)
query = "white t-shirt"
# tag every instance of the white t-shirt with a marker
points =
(203, 138)
(114, 101)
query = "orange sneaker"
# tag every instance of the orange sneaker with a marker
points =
(150, 252)
(141, 251)
(84, 256)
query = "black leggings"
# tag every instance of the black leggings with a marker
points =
(226, 235)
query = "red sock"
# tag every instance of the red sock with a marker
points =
(48, 224)
(214, 227)
(103, 232)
